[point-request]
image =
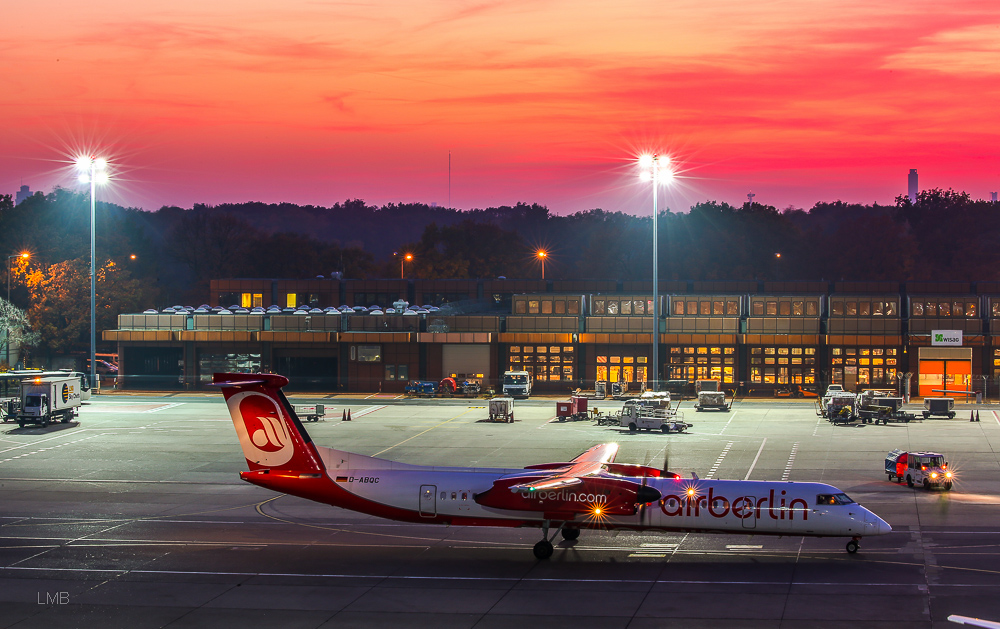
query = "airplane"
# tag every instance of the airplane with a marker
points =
(589, 492)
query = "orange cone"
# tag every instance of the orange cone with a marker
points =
(972, 416)
(977, 415)
(344, 418)
(348, 414)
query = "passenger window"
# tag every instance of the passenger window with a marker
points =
(454, 495)
(465, 495)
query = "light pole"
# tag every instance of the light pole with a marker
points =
(93, 170)
(655, 168)
(542, 254)
(23, 255)
(406, 257)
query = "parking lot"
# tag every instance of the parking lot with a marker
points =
(135, 516)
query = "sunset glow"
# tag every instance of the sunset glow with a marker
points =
(544, 101)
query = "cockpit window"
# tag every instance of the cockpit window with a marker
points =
(833, 499)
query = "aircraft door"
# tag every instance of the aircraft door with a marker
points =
(428, 501)
(750, 521)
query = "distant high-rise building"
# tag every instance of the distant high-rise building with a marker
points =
(993, 197)
(912, 188)
(22, 194)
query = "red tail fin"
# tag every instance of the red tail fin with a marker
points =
(269, 431)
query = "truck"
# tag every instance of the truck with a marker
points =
(928, 469)
(516, 384)
(46, 400)
(637, 417)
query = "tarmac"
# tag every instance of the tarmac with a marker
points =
(135, 516)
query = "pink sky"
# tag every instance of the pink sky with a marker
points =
(541, 101)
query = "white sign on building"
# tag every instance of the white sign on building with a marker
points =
(948, 338)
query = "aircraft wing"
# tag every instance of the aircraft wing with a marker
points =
(603, 453)
(974, 622)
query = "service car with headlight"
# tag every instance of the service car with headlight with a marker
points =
(928, 469)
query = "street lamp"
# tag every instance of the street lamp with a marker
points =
(406, 257)
(24, 255)
(542, 254)
(655, 168)
(93, 170)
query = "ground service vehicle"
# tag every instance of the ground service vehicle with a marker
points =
(710, 396)
(311, 412)
(589, 492)
(45, 400)
(638, 417)
(502, 410)
(918, 468)
(420, 387)
(939, 407)
(575, 409)
(516, 384)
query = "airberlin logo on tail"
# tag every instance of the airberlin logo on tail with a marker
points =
(261, 429)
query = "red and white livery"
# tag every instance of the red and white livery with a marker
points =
(589, 492)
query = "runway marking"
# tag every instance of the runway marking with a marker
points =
(164, 407)
(818, 424)
(754, 464)
(728, 422)
(718, 461)
(40, 450)
(368, 410)
(791, 461)
(996, 417)
(744, 546)
(422, 432)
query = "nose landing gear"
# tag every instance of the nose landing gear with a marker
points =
(543, 549)
(854, 545)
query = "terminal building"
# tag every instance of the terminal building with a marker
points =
(758, 338)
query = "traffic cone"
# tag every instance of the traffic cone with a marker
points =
(977, 414)
(348, 414)
(972, 416)
(344, 418)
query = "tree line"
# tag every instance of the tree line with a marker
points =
(155, 259)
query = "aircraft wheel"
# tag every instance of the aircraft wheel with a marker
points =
(543, 549)
(632, 427)
(909, 481)
(853, 546)
(571, 534)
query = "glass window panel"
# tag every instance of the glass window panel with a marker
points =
(783, 351)
(705, 307)
(970, 309)
(532, 306)
(616, 359)
(878, 308)
(810, 350)
(772, 308)
(851, 309)
(642, 359)
(837, 308)
(890, 309)
(798, 308)
(542, 349)
(559, 307)
(628, 360)
(390, 372)
(732, 308)
(626, 306)
(718, 308)
(546, 307)
(729, 350)
(702, 350)
(785, 308)
(944, 309)
(612, 307)
(716, 350)
(769, 351)
(692, 307)
(958, 309)
(865, 351)
(573, 306)
(529, 349)
(812, 308)
(796, 351)
(370, 353)
(639, 307)
(865, 308)
(403, 372)
(930, 308)
(598, 306)
(520, 306)
(678, 307)
(758, 308)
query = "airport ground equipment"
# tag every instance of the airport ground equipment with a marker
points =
(939, 407)
(928, 469)
(839, 408)
(420, 387)
(516, 384)
(501, 410)
(710, 396)
(574, 410)
(310, 412)
(638, 417)
(895, 411)
(46, 400)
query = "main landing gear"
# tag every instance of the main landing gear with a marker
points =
(854, 545)
(544, 548)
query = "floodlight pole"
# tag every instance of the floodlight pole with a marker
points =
(656, 299)
(93, 277)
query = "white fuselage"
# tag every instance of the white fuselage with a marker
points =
(751, 507)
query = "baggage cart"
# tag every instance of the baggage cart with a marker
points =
(502, 410)
(574, 410)
(939, 407)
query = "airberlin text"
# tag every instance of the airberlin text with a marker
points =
(742, 507)
(568, 496)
